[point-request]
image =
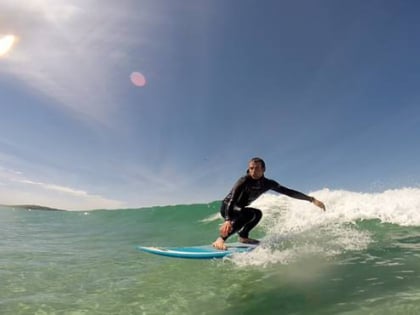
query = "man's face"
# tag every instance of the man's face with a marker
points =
(256, 171)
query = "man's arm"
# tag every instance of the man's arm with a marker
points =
(296, 194)
(234, 195)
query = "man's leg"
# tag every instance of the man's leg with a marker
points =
(244, 220)
(253, 217)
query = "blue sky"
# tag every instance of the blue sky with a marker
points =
(327, 92)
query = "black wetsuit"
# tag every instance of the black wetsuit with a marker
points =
(235, 205)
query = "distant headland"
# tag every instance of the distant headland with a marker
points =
(30, 207)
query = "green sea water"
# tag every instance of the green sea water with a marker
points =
(362, 256)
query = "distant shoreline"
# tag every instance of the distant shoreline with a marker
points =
(30, 207)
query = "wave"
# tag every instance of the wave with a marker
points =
(290, 229)
(294, 229)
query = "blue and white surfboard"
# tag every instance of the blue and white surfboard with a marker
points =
(198, 252)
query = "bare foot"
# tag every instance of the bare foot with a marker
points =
(219, 244)
(248, 240)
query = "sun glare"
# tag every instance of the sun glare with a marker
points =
(138, 79)
(6, 43)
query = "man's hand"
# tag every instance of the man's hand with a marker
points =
(226, 228)
(319, 204)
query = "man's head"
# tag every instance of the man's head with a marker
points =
(256, 168)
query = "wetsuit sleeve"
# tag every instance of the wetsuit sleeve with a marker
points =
(233, 197)
(290, 192)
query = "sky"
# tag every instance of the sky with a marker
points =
(134, 103)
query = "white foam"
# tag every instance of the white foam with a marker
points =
(296, 228)
(213, 217)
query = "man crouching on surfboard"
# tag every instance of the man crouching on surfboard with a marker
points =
(238, 216)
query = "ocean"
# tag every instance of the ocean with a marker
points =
(361, 256)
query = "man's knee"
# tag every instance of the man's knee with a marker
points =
(258, 213)
(253, 213)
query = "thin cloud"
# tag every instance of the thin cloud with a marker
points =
(62, 189)
(19, 189)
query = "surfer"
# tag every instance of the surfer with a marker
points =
(241, 219)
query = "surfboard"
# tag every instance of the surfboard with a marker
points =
(198, 252)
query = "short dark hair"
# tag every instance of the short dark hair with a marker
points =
(258, 160)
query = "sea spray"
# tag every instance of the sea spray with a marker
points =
(294, 228)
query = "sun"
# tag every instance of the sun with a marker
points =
(6, 43)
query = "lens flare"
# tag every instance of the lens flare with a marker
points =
(6, 44)
(138, 79)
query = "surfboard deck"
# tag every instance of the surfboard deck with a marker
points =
(198, 252)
